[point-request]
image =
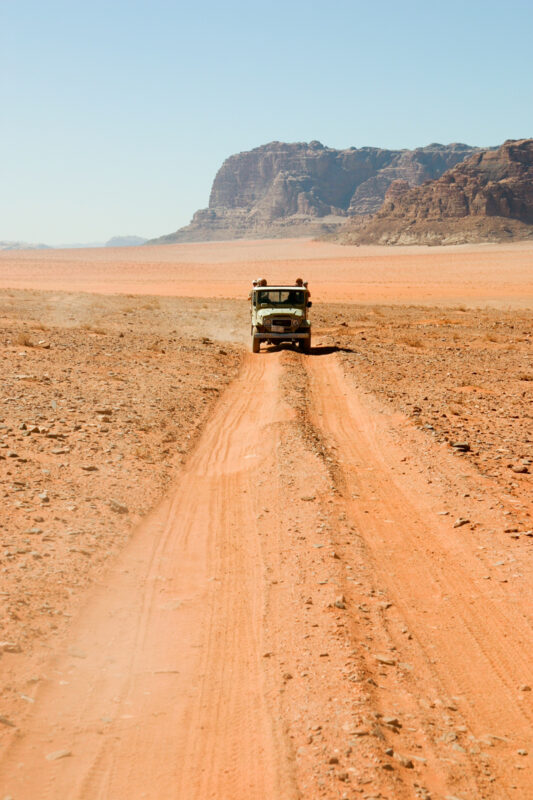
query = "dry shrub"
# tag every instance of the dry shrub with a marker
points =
(157, 346)
(23, 339)
(143, 453)
(151, 306)
(455, 410)
(87, 326)
(412, 341)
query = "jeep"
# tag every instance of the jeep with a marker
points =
(279, 314)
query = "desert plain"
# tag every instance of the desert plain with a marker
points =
(227, 575)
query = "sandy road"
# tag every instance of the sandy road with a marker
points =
(297, 618)
(159, 693)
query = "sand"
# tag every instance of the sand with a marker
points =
(496, 275)
(276, 575)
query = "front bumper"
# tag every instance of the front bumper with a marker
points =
(287, 336)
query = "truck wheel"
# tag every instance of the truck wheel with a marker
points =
(256, 343)
(305, 344)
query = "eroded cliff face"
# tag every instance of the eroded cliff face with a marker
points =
(302, 189)
(488, 197)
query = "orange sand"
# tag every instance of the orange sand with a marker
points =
(496, 275)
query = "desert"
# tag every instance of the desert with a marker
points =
(269, 575)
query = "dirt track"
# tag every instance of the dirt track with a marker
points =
(298, 618)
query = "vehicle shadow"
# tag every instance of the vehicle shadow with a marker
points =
(324, 350)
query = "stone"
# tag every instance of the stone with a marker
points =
(392, 722)
(10, 647)
(460, 522)
(57, 754)
(520, 469)
(404, 761)
(118, 508)
(487, 197)
(383, 659)
(302, 189)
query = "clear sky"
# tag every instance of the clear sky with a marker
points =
(116, 114)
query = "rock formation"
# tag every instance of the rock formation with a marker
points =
(303, 189)
(488, 197)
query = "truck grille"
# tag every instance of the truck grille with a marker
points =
(283, 323)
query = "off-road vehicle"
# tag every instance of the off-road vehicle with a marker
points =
(279, 314)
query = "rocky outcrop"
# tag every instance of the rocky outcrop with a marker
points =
(305, 189)
(488, 197)
(125, 241)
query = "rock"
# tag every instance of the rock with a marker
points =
(118, 508)
(302, 189)
(57, 754)
(10, 647)
(525, 688)
(89, 468)
(462, 447)
(392, 722)
(333, 760)
(487, 197)
(521, 752)
(340, 602)
(382, 659)
(308, 497)
(6, 721)
(520, 469)
(405, 762)
(460, 522)
(43, 497)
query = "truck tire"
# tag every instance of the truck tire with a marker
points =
(256, 342)
(305, 344)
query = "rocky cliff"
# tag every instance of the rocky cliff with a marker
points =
(488, 197)
(305, 189)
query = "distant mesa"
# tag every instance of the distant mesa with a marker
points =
(307, 189)
(488, 197)
(22, 246)
(125, 241)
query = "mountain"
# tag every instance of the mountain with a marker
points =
(488, 197)
(125, 241)
(22, 246)
(307, 189)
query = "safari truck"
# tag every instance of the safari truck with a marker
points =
(279, 314)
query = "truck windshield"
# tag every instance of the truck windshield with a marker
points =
(281, 297)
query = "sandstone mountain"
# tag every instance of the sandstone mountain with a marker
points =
(302, 189)
(488, 197)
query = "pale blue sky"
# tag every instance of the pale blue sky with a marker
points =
(115, 116)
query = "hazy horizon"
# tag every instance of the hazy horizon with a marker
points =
(117, 118)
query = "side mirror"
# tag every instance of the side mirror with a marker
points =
(309, 303)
